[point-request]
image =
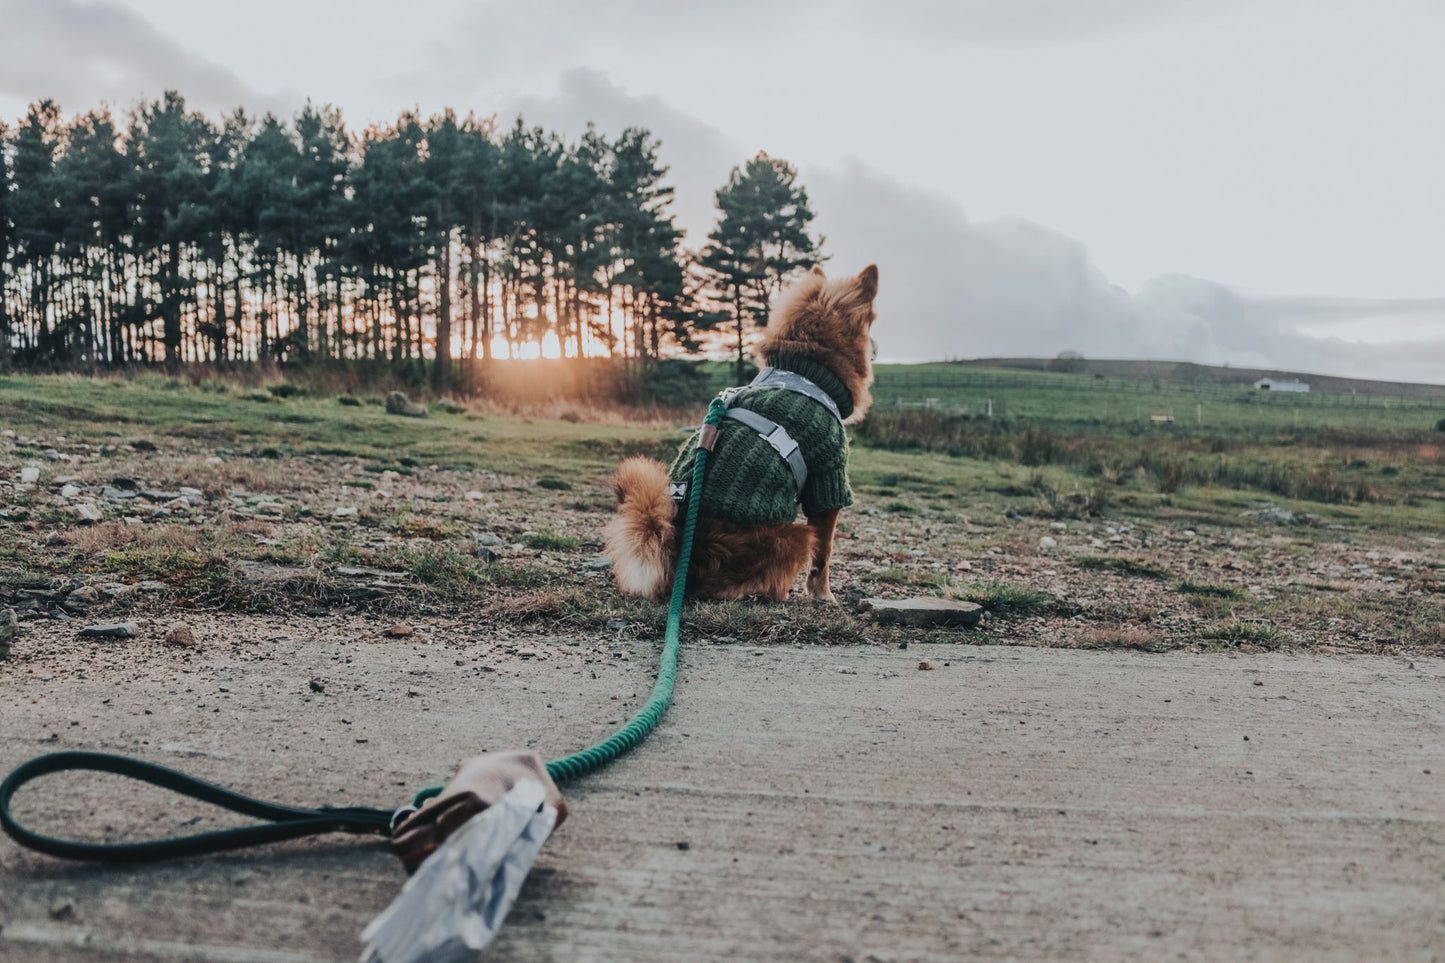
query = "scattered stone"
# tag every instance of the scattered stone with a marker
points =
(111, 492)
(50, 454)
(268, 573)
(474, 496)
(131, 520)
(192, 494)
(215, 460)
(84, 597)
(113, 630)
(180, 634)
(274, 509)
(69, 491)
(400, 631)
(9, 626)
(926, 665)
(345, 511)
(1047, 544)
(1274, 515)
(87, 512)
(362, 571)
(599, 564)
(488, 540)
(920, 612)
(398, 403)
(29, 475)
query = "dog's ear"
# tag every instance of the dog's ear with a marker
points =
(868, 282)
(817, 271)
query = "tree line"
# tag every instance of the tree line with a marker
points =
(168, 238)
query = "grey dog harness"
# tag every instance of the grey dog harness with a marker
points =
(770, 431)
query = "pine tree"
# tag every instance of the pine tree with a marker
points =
(760, 241)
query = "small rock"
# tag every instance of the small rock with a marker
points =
(599, 564)
(919, 612)
(69, 491)
(215, 460)
(488, 540)
(316, 685)
(114, 630)
(400, 630)
(192, 494)
(9, 626)
(345, 511)
(1274, 515)
(84, 597)
(110, 491)
(180, 634)
(29, 475)
(131, 520)
(926, 665)
(474, 496)
(1047, 544)
(398, 403)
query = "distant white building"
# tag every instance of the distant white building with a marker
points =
(1272, 384)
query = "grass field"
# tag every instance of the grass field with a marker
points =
(1074, 527)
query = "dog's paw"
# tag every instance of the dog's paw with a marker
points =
(825, 596)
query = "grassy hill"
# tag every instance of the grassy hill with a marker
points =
(1189, 373)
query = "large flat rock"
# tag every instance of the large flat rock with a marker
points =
(835, 803)
(923, 612)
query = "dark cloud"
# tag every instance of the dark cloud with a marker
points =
(84, 53)
(951, 287)
(698, 154)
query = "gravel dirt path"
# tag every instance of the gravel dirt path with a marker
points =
(815, 803)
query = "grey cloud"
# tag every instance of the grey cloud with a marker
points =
(81, 54)
(955, 288)
(698, 154)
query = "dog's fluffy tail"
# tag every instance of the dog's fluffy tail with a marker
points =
(641, 536)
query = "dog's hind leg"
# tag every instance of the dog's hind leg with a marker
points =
(823, 525)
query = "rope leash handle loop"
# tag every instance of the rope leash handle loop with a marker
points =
(285, 822)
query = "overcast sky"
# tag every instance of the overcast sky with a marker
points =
(1252, 181)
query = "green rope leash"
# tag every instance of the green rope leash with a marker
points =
(592, 758)
(288, 822)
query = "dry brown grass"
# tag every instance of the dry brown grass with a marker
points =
(96, 540)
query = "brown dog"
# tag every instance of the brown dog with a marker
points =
(747, 543)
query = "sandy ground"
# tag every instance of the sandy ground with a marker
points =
(821, 804)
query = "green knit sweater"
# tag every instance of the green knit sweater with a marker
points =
(747, 482)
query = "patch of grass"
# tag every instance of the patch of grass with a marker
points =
(550, 541)
(440, 567)
(899, 508)
(1264, 635)
(1138, 568)
(554, 484)
(1007, 598)
(1208, 589)
(1121, 637)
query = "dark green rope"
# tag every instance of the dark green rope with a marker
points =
(595, 757)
